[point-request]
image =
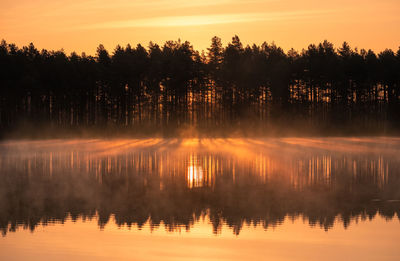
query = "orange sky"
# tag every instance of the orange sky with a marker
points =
(81, 25)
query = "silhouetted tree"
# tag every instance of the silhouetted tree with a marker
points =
(172, 85)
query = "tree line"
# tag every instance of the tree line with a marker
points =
(169, 86)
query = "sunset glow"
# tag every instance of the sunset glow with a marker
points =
(82, 25)
(199, 130)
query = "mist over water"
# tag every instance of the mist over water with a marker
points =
(177, 182)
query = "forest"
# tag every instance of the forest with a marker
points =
(172, 89)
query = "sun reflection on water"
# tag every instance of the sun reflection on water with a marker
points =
(195, 173)
(173, 181)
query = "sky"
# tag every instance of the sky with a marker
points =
(81, 25)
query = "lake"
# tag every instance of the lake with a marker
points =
(195, 199)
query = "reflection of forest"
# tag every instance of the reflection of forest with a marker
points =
(141, 180)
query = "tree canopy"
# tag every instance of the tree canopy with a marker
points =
(175, 84)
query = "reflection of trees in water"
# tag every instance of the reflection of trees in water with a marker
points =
(160, 187)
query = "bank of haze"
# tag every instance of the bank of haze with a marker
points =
(233, 183)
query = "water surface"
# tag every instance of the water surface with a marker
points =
(180, 199)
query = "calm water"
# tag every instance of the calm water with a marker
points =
(195, 199)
